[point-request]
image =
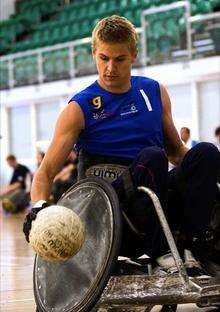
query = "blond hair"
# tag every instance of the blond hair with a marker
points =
(115, 29)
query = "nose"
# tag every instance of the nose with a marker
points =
(111, 66)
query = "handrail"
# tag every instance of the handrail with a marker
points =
(54, 47)
(198, 18)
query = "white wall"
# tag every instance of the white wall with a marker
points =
(194, 88)
(7, 7)
(181, 105)
(209, 108)
(4, 148)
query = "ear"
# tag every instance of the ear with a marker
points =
(134, 56)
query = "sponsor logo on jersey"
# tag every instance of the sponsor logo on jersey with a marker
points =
(97, 102)
(101, 115)
(109, 172)
(128, 109)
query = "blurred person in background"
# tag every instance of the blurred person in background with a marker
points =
(186, 137)
(16, 195)
(65, 178)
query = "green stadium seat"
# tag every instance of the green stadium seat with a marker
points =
(145, 4)
(137, 17)
(25, 70)
(102, 8)
(48, 65)
(56, 34)
(157, 29)
(19, 72)
(92, 10)
(164, 45)
(73, 14)
(134, 3)
(74, 31)
(129, 15)
(45, 39)
(83, 60)
(152, 46)
(113, 6)
(65, 34)
(63, 16)
(81, 12)
(62, 64)
(56, 64)
(203, 7)
(172, 28)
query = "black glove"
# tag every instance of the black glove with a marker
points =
(30, 217)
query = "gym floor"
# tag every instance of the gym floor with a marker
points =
(16, 266)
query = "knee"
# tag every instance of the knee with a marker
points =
(207, 151)
(155, 154)
(205, 156)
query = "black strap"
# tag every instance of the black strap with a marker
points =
(87, 160)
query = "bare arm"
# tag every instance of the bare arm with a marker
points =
(11, 187)
(68, 127)
(174, 146)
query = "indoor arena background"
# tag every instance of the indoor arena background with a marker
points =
(45, 58)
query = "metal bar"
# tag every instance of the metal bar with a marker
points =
(46, 49)
(165, 7)
(40, 67)
(144, 39)
(188, 31)
(71, 61)
(198, 18)
(170, 240)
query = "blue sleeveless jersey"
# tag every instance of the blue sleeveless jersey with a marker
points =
(121, 125)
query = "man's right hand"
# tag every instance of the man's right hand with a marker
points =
(41, 204)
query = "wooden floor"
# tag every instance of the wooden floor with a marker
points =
(16, 265)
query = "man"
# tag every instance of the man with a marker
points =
(127, 121)
(186, 138)
(15, 196)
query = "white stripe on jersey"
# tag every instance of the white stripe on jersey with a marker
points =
(146, 100)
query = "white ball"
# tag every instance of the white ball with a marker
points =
(57, 233)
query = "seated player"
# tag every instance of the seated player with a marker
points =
(16, 195)
(65, 178)
(126, 120)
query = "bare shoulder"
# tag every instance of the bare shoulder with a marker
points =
(71, 117)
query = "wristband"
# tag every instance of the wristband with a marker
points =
(39, 203)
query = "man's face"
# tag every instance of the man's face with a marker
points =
(184, 135)
(12, 163)
(114, 61)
